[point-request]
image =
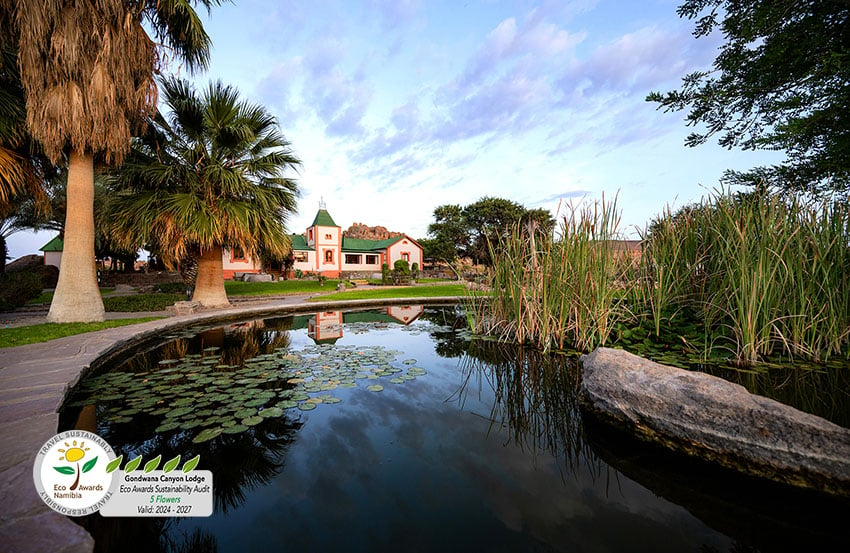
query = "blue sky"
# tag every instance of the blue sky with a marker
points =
(398, 106)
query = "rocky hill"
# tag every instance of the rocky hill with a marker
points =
(365, 232)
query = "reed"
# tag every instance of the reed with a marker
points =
(767, 275)
(557, 292)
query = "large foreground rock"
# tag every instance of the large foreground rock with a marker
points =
(710, 418)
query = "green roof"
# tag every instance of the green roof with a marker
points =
(54, 245)
(299, 242)
(363, 245)
(323, 219)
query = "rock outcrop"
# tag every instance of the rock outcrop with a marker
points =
(359, 230)
(711, 418)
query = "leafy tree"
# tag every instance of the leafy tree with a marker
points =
(541, 220)
(210, 176)
(486, 220)
(780, 82)
(464, 231)
(449, 232)
(97, 87)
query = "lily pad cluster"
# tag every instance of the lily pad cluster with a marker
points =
(198, 393)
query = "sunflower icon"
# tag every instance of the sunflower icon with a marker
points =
(73, 454)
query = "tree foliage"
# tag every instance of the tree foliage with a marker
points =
(465, 231)
(210, 174)
(88, 68)
(781, 81)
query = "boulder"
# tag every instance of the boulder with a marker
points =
(716, 420)
(184, 308)
(257, 277)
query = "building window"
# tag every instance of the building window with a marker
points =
(329, 256)
(301, 257)
(371, 260)
(329, 237)
(237, 254)
(405, 256)
(352, 259)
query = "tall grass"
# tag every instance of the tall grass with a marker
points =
(556, 292)
(766, 275)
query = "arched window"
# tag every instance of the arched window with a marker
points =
(329, 256)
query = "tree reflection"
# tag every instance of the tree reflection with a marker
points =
(536, 398)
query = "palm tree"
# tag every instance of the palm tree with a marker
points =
(208, 177)
(22, 168)
(87, 70)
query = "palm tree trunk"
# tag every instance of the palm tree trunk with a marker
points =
(77, 297)
(209, 284)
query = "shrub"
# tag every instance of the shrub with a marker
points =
(385, 274)
(414, 271)
(141, 302)
(401, 272)
(171, 288)
(17, 288)
(299, 273)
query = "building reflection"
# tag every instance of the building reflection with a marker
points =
(326, 327)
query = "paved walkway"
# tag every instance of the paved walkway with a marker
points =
(33, 382)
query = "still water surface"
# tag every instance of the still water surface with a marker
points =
(468, 446)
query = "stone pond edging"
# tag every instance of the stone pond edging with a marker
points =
(34, 380)
(710, 418)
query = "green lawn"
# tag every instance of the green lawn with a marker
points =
(239, 288)
(22, 335)
(434, 291)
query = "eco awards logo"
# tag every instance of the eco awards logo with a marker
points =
(70, 473)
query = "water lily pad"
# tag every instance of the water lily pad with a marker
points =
(396, 381)
(235, 429)
(252, 421)
(287, 404)
(165, 427)
(188, 425)
(409, 362)
(271, 412)
(375, 388)
(306, 406)
(256, 402)
(207, 435)
(176, 413)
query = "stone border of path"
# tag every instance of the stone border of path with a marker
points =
(34, 380)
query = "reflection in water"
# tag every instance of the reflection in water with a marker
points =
(761, 515)
(536, 397)
(482, 448)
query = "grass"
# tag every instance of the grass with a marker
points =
(47, 297)
(767, 275)
(764, 276)
(431, 291)
(34, 334)
(296, 286)
(140, 302)
(556, 293)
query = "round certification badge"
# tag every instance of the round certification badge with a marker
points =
(70, 473)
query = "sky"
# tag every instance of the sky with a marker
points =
(398, 106)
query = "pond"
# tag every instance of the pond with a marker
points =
(389, 430)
